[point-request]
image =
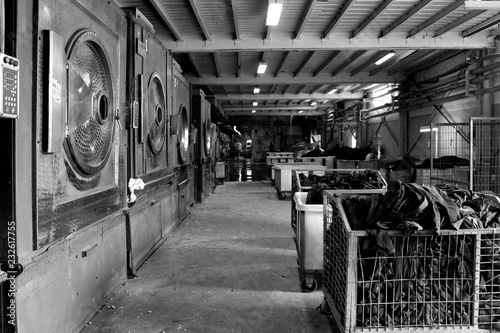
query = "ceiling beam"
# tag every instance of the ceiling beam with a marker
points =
(199, 18)
(288, 79)
(301, 89)
(495, 5)
(304, 18)
(270, 108)
(371, 18)
(304, 63)
(353, 57)
(454, 6)
(282, 62)
(217, 66)
(369, 62)
(326, 62)
(340, 42)
(392, 62)
(195, 67)
(238, 72)
(435, 59)
(404, 17)
(234, 5)
(315, 89)
(168, 21)
(481, 26)
(337, 18)
(291, 97)
(284, 113)
(458, 22)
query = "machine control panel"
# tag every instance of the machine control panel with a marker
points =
(9, 94)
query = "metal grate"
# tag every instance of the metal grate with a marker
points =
(488, 314)
(336, 263)
(486, 152)
(447, 282)
(450, 155)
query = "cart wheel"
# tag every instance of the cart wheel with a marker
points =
(281, 196)
(324, 308)
(308, 285)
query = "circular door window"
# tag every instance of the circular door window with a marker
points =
(156, 112)
(208, 137)
(183, 134)
(90, 105)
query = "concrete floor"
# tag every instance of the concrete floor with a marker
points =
(230, 266)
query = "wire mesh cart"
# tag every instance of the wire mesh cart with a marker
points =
(433, 282)
(283, 173)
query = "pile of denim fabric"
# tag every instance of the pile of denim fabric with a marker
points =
(424, 278)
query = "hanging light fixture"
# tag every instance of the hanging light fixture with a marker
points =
(273, 12)
(385, 58)
(253, 111)
(332, 91)
(256, 90)
(255, 103)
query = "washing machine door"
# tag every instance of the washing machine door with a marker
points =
(90, 105)
(183, 134)
(156, 111)
(207, 129)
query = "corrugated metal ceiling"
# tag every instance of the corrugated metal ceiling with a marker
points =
(218, 43)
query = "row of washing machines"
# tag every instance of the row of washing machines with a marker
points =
(122, 148)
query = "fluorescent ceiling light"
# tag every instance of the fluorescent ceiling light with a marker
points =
(256, 90)
(371, 86)
(425, 129)
(255, 103)
(273, 13)
(332, 91)
(253, 111)
(301, 111)
(262, 67)
(313, 103)
(385, 58)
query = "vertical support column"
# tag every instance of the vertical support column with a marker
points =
(403, 131)
(495, 98)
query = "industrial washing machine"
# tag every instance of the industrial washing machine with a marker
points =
(186, 135)
(204, 153)
(150, 217)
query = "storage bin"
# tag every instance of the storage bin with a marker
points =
(380, 182)
(371, 164)
(309, 240)
(347, 164)
(283, 173)
(434, 282)
(403, 175)
(423, 176)
(298, 187)
(327, 161)
(279, 153)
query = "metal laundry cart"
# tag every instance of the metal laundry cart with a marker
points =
(308, 221)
